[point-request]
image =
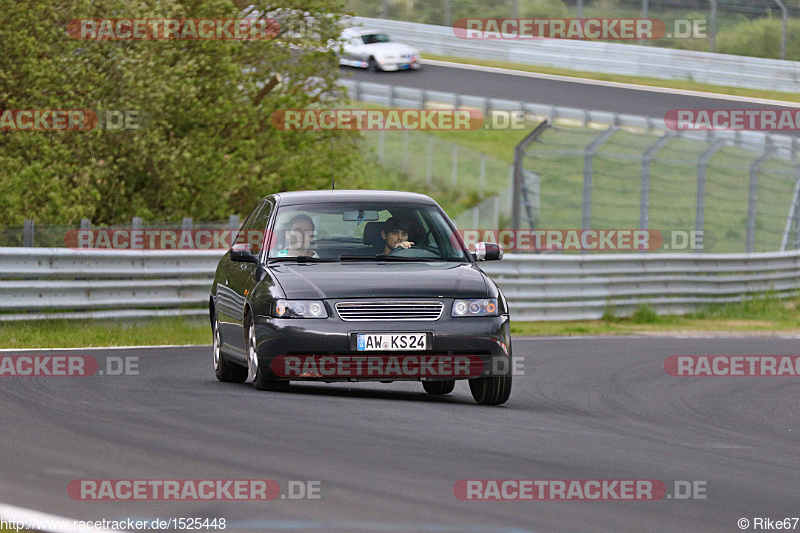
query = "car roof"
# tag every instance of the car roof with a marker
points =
(309, 197)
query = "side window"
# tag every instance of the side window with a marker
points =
(259, 228)
(253, 229)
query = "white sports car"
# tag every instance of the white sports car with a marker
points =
(374, 50)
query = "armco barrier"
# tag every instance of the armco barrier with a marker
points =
(41, 283)
(609, 58)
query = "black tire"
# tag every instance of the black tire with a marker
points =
(224, 370)
(493, 390)
(259, 381)
(439, 387)
(372, 65)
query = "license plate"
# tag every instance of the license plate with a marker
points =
(390, 341)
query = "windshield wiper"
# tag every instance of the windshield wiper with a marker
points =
(386, 257)
(301, 259)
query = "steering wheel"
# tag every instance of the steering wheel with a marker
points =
(417, 253)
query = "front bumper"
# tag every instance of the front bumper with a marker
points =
(393, 66)
(484, 338)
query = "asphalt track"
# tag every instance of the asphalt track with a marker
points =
(388, 455)
(548, 92)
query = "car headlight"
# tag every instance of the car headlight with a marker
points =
(299, 309)
(479, 307)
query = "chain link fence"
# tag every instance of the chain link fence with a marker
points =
(739, 198)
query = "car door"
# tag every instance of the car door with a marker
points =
(241, 278)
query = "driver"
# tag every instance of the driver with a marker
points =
(299, 237)
(395, 233)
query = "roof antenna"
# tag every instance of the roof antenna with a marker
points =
(333, 178)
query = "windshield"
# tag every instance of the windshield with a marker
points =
(364, 231)
(371, 38)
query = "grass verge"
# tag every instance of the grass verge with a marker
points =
(686, 85)
(64, 333)
(765, 314)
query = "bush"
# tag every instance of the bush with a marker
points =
(760, 38)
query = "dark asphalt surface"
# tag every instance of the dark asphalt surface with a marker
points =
(542, 91)
(388, 454)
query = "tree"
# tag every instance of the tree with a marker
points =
(206, 147)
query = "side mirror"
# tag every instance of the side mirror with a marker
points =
(242, 253)
(488, 251)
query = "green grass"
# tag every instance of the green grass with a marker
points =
(765, 314)
(686, 85)
(64, 333)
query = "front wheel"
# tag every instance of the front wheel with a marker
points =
(439, 387)
(223, 369)
(494, 390)
(372, 66)
(254, 372)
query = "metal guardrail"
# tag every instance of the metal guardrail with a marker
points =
(58, 283)
(391, 96)
(609, 58)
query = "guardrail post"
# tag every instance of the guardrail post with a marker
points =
(647, 159)
(186, 223)
(385, 9)
(784, 21)
(580, 9)
(86, 224)
(586, 216)
(454, 166)
(644, 16)
(700, 209)
(233, 222)
(752, 200)
(518, 175)
(136, 223)
(380, 146)
(429, 161)
(358, 91)
(423, 99)
(391, 96)
(713, 26)
(447, 12)
(27, 233)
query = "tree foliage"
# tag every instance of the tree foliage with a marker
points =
(207, 148)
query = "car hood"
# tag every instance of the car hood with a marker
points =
(371, 280)
(390, 49)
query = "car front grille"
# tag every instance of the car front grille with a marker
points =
(371, 311)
